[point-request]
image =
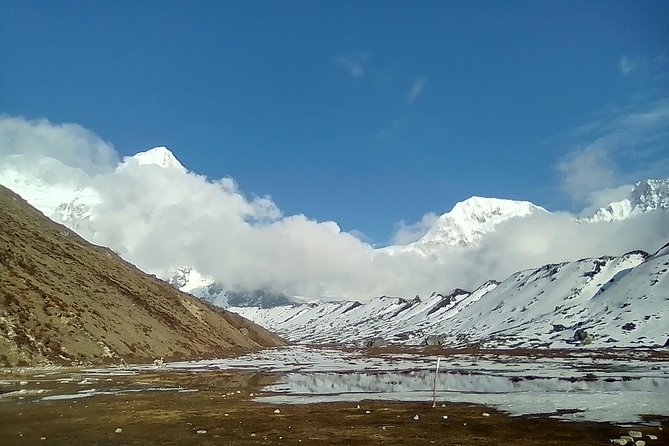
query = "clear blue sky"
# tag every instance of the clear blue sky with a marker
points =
(362, 112)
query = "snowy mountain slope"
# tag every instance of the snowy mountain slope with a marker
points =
(532, 306)
(467, 223)
(352, 322)
(618, 301)
(471, 219)
(636, 304)
(645, 196)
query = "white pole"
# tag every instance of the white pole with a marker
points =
(434, 386)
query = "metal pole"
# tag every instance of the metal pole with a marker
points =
(434, 386)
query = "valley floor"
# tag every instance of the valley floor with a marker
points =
(326, 396)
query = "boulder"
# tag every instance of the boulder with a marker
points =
(376, 342)
(434, 340)
(580, 335)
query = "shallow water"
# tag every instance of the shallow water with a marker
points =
(599, 399)
(475, 383)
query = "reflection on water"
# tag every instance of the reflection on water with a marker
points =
(608, 398)
(420, 381)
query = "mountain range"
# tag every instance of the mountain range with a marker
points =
(618, 301)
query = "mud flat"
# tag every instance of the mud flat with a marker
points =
(330, 396)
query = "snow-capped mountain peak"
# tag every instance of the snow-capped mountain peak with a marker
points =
(483, 211)
(158, 156)
(645, 196)
(471, 219)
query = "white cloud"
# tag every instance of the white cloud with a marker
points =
(627, 65)
(70, 143)
(160, 218)
(407, 233)
(416, 89)
(354, 64)
(586, 171)
(552, 238)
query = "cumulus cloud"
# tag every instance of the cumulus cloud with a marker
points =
(407, 233)
(552, 238)
(354, 64)
(416, 89)
(69, 143)
(522, 243)
(161, 218)
(586, 171)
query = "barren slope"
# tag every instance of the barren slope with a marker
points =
(65, 300)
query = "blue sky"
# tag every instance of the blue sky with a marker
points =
(365, 113)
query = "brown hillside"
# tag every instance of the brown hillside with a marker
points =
(67, 301)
